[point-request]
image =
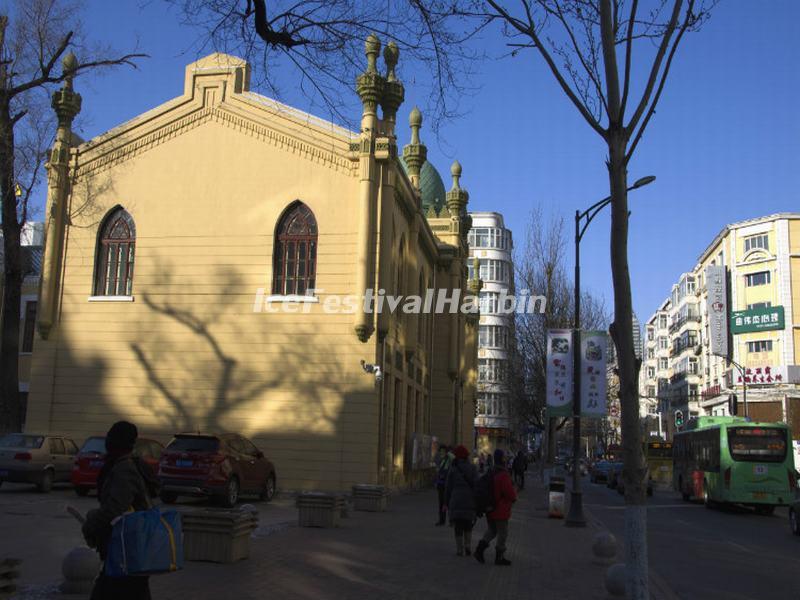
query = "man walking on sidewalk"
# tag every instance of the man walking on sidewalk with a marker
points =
(445, 458)
(497, 520)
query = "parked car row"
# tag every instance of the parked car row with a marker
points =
(216, 466)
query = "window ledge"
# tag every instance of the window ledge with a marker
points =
(291, 298)
(110, 298)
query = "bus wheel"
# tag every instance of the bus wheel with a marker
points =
(794, 522)
(765, 509)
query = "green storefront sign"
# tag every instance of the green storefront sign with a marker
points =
(757, 319)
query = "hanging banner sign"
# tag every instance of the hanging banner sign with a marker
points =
(559, 373)
(717, 306)
(594, 350)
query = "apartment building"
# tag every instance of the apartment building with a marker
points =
(756, 351)
(491, 243)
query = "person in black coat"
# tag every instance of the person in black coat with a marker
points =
(125, 483)
(460, 499)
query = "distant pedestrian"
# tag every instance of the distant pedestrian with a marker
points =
(481, 463)
(497, 520)
(519, 467)
(460, 499)
(445, 458)
(125, 483)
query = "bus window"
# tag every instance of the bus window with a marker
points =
(757, 444)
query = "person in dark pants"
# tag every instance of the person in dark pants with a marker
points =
(125, 483)
(520, 466)
(460, 498)
(441, 481)
(497, 520)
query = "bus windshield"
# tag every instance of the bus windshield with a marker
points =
(762, 444)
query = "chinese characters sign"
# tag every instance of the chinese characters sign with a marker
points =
(594, 346)
(717, 305)
(762, 376)
(559, 373)
(757, 319)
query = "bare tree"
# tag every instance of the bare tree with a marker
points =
(588, 47)
(318, 44)
(541, 271)
(34, 36)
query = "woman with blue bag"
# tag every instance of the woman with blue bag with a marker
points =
(125, 484)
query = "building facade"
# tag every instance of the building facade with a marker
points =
(490, 246)
(265, 243)
(758, 293)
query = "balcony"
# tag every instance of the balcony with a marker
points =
(676, 325)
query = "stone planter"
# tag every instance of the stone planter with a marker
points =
(320, 509)
(371, 498)
(217, 535)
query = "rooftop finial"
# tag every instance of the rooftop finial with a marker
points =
(69, 65)
(415, 121)
(455, 171)
(372, 48)
(391, 54)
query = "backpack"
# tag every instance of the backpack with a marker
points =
(484, 494)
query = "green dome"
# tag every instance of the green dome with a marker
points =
(431, 186)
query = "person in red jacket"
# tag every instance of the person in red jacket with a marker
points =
(497, 520)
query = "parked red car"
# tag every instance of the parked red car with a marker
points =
(217, 466)
(91, 456)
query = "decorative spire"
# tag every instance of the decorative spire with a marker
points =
(66, 103)
(475, 284)
(372, 48)
(415, 154)
(393, 91)
(370, 84)
(457, 198)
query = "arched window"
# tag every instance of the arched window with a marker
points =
(294, 265)
(115, 251)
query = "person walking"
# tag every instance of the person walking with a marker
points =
(520, 466)
(124, 483)
(497, 520)
(441, 480)
(460, 499)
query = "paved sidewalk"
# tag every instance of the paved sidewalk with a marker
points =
(400, 554)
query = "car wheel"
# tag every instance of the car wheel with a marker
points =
(168, 497)
(268, 492)
(231, 495)
(46, 482)
(765, 510)
(794, 522)
(81, 490)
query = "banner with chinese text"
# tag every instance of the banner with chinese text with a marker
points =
(559, 373)
(594, 350)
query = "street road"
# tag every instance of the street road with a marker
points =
(730, 554)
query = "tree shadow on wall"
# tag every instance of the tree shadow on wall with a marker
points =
(206, 361)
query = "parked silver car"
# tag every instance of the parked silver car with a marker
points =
(38, 459)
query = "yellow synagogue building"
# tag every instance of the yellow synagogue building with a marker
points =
(197, 266)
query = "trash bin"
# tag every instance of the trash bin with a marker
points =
(556, 497)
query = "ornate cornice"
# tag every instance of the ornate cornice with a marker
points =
(128, 149)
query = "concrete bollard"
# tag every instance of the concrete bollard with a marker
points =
(615, 581)
(604, 548)
(80, 567)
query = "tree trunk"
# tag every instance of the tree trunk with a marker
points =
(11, 410)
(622, 332)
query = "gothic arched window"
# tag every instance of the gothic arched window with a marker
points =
(294, 266)
(115, 251)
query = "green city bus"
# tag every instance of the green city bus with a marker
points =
(733, 460)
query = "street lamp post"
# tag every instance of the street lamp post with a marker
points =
(575, 517)
(741, 370)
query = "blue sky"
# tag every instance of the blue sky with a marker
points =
(723, 145)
